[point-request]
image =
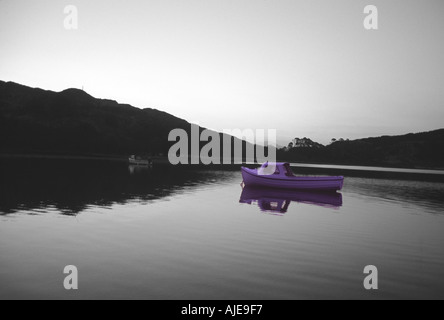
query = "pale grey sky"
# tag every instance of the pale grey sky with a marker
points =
(306, 68)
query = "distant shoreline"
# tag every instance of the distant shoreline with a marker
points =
(164, 160)
(369, 168)
(98, 157)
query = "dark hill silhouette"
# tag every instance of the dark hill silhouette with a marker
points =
(73, 122)
(417, 150)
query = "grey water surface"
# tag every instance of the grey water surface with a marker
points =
(194, 233)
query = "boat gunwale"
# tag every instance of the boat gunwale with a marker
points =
(293, 178)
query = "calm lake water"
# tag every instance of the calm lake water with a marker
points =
(188, 233)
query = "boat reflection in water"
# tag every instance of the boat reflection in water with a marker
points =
(137, 169)
(277, 201)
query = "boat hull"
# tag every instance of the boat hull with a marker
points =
(252, 178)
(140, 162)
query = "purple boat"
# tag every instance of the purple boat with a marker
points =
(279, 175)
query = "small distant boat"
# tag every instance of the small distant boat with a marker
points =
(139, 161)
(282, 177)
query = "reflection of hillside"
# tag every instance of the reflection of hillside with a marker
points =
(277, 201)
(71, 187)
